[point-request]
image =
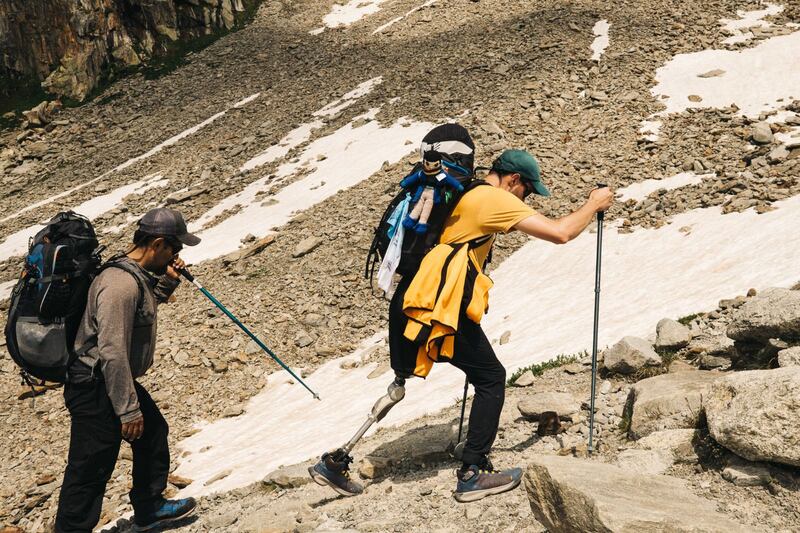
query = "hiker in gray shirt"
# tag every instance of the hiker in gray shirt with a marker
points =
(115, 345)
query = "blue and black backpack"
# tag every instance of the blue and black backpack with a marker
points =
(48, 301)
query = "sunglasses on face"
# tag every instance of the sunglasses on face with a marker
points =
(174, 244)
(528, 187)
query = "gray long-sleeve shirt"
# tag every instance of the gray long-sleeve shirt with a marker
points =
(120, 331)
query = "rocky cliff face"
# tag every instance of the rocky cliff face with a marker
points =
(68, 45)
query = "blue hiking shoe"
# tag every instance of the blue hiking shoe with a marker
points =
(475, 483)
(336, 475)
(166, 511)
(420, 229)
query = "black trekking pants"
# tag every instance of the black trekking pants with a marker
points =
(93, 448)
(473, 355)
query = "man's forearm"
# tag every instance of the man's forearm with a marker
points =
(573, 224)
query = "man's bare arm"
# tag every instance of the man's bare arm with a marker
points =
(564, 229)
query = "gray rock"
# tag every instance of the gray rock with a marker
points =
(25, 168)
(668, 401)
(561, 402)
(288, 477)
(306, 246)
(772, 314)
(250, 251)
(505, 337)
(745, 474)
(754, 414)
(717, 345)
(224, 520)
(712, 73)
(644, 461)
(303, 339)
(373, 466)
(761, 133)
(789, 357)
(233, 410)
(568, 495)
(525, 380)
(678, 444)
(672, 334)
(182, 196)
(629, 355)
(778, 154)
(713, 362)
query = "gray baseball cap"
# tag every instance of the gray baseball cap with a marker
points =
(166, 222)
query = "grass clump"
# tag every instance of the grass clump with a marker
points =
(686, 320)
(539, 368)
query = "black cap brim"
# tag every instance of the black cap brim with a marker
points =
(188, 239)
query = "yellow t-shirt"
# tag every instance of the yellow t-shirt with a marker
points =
(484, 210)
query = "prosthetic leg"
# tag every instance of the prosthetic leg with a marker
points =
(333, 467)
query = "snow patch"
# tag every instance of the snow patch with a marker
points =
(755, 79)
(672, 275)
(600, 42)
(17, 243)
(302, 133)
(650, 130)
(639, 191)
(129, 162)
(398, 19)
(348, 13)
(338, 161)
(748, 19)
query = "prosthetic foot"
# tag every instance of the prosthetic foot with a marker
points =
(333, 469)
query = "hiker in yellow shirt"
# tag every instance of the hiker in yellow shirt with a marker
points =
(435, 315)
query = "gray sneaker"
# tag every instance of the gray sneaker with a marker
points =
(336, 475)
(474, 483)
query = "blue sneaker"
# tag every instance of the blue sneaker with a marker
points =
(167, 511)
(474, 483)
(336, 475)
(409, 222)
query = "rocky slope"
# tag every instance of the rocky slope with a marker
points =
(71, 46)
(531, 85)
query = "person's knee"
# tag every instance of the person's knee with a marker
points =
(490, 378)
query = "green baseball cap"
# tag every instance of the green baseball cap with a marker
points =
(524, 164)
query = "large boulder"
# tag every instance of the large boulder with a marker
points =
(671, 334)
(569, 495)
(564, 404)
(755, 414)
(789, 357)
(773, 314)
(668, 401)
(630, 355)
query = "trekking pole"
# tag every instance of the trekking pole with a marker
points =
(185, 273)
(600, 218)
(463, 407)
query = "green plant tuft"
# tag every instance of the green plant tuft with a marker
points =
(539, 368)
(686, 320)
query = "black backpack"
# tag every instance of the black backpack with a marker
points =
(416, 246)
(48, 301)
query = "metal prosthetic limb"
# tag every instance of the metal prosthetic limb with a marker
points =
(339, 459)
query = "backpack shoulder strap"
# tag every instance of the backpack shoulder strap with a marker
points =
(114, 263)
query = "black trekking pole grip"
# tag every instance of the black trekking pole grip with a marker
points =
(185, 273)
(602, 214)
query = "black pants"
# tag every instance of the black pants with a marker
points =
(93, 448)
(473, 355)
